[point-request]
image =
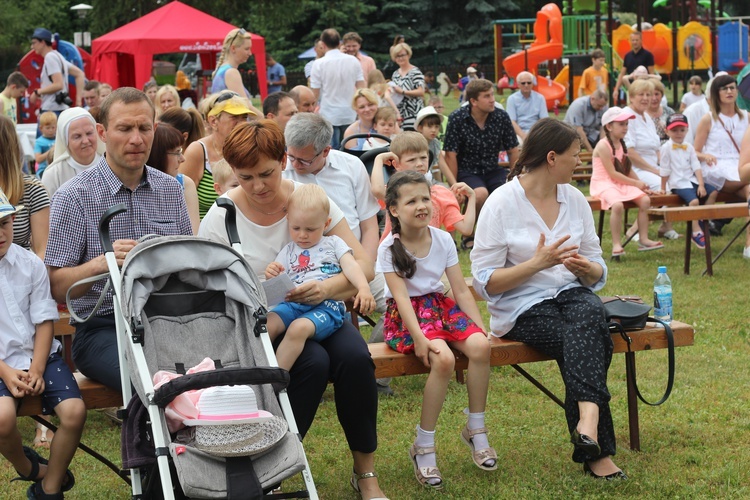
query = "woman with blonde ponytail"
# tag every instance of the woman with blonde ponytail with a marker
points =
(235, 51)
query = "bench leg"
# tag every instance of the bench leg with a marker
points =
(460, 377)
(688, 240)
(709, 262)
(600, 228)
(633, 425)
(723, 250)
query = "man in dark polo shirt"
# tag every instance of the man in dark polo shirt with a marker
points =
(475, 136)
(638, 56)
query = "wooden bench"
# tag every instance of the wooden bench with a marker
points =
(389, 363)
(657, 200)
(703, 213)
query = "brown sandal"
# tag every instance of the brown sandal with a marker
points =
(424, 474)
(479, 457)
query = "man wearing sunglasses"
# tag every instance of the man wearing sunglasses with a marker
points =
(526, 106)
(334, 79)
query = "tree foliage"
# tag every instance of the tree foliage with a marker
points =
(445, 31)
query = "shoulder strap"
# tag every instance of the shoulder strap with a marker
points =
(630, 360)
(728, 133)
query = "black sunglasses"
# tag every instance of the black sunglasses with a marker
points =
(240, 31)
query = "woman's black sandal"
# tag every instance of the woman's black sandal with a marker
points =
(36, 459)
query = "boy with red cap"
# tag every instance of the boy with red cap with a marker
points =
(680, 166)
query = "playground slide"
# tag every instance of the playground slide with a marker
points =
(553, 92)
(546, 46)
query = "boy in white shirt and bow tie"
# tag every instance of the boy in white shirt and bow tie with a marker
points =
(680, 166)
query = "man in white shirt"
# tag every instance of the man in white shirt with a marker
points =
(334, 79)
(526, 106)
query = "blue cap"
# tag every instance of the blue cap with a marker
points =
(663, 269)
(42, 34)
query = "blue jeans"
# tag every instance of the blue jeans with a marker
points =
(338, 134)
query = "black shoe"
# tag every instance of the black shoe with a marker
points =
(714, 229)
(585, 444)
(609, 477)
(35, 492)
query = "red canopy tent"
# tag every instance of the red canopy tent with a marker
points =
(124, 56)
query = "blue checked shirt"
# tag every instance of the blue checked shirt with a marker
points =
(156, 206)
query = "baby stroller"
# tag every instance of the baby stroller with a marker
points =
(179, 300)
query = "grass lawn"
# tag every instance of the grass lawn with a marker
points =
(693, 446)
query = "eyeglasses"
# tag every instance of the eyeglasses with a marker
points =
(304, 163)
(526, 83)
(177, 153)
(728, 88)
(403, 54)
(240, 32)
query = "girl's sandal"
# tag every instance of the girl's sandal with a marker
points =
(43, 438)
(354, 481)
(425, 474)
(36, 459)
(479, 457)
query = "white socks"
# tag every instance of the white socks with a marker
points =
(476, 421)
(426, 439)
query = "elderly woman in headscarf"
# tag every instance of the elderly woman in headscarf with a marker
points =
(77, 148)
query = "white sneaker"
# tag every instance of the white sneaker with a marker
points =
(636, 237)
(746, 253)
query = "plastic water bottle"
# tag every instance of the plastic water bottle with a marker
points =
(663, 296)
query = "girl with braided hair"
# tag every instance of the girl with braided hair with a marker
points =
(236, 50)
(420, 319)
(613, 181)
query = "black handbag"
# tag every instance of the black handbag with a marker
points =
(629, 311)
(625, 313)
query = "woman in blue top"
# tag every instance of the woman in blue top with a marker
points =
(235, 51)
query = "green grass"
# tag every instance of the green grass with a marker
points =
(693, 446)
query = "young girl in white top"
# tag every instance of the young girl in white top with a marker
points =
(422, 320)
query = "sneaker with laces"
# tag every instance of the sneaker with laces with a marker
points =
(699, 240)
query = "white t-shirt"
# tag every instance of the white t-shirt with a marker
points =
(689, 98)
(54, 62)
(643, 137)
(679, 165)
(319, 262)
(430, 268)
(344, 179)
(694, 113)
(336, 75)
(260, 244)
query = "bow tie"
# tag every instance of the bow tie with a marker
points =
(679, 146)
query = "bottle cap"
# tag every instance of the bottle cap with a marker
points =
(663, 269)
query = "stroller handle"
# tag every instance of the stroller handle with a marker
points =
(104, 225)
(230, 221)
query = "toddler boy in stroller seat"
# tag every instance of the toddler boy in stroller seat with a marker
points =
(31, 365)
(312, 256)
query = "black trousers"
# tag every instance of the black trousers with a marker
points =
(344, 359)
(571, 329)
